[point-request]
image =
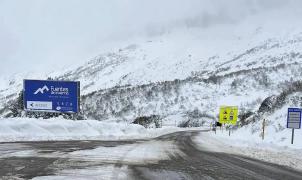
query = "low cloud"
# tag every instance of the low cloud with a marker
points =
(37, 34)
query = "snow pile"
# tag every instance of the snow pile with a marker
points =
(275, 131)
(25, 129)
(243, 143)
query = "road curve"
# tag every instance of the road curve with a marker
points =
(191, 163)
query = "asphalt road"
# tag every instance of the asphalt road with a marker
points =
(191, 163)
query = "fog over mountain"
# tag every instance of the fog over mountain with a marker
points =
(40, 35)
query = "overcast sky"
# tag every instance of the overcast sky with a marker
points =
(40, 35)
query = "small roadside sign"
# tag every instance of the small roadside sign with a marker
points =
(294, 118)
(228, 115)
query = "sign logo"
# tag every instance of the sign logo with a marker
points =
(41, 90)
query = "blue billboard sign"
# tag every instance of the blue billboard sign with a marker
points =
(51, 96)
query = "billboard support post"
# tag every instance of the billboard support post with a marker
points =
(293, 134)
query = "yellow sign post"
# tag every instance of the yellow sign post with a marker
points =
(228, 115)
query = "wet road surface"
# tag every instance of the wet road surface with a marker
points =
(27, 160)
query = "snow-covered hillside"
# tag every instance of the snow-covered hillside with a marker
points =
(190, 72)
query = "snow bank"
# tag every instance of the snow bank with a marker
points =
(25, 129)
(242, 143)
(276, 146)
(275, 130)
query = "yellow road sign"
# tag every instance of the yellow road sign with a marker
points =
(228, 115)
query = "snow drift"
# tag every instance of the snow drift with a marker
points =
(25, 129)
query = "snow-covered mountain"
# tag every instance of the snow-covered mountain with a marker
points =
(190, 72)
(155, 78)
